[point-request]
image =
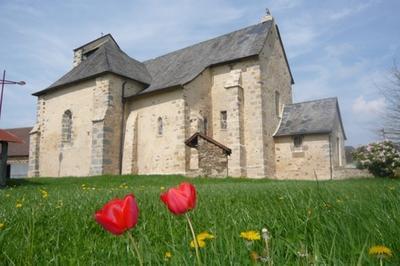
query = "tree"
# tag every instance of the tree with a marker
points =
(391, 118)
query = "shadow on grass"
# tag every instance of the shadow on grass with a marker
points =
(22, 183)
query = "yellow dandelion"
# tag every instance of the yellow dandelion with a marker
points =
(380, 252)
(162, 188)
(18, 205)
(45, 194)
(2, 225)
(205, 235)
(167, 255)
(250, 235)
(201, 243)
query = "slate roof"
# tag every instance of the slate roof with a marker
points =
(107, 58)
(318, 116)
(182, 66)
(193, 142)
(173, 69)
(19, 149)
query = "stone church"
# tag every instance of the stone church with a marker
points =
(222, 107)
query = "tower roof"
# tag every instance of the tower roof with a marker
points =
(107, 58)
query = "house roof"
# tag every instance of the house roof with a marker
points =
(173, 69)
(7, 136)
(312, 117)
(107, 58)
(193, 140)
(21, 148)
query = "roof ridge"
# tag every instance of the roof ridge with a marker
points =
(317, 100)
(202, 42)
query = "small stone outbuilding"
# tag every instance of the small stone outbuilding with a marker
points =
(309, 142)
(209, 158)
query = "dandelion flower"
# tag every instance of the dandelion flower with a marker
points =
(2, 226)
(205, 235)
(380, 252)
(45, 194)
(250, 235)
(167, 255)
(201, 243)
(18, 205)
(162, 188)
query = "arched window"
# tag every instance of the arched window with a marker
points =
(67, 127)
(160, 126)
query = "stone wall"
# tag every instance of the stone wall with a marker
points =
(345, 173)
(313, 158)
(234, 89)
(212, 161)
(275, 77)
(48, 155)
(145, 150)
(337, 145)
(96, 108)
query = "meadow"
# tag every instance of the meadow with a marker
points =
(48, 221)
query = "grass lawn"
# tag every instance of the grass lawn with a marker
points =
(334, 222)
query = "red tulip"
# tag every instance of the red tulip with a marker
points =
(180, 199)
(118, 215)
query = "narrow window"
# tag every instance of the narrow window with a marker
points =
(160, 126)
(298, 142)
(205, 125)
(67, 127)
(223, 118)
(277, 103)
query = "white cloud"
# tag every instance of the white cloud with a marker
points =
(350, 11)
(368, 109)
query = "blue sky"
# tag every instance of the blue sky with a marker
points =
(335, 48)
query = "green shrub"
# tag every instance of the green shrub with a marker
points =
(382, 159)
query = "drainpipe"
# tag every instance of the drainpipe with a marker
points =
(122, 134)
(330, 156)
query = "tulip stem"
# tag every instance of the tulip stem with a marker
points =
(136, 249)
(196, 244)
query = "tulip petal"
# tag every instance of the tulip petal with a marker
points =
(181, 199)
(108, 225)
(118, 215)
(130, 211)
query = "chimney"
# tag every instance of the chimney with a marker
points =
(267, 16)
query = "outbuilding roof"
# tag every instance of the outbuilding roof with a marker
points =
(20, 148)
(173, 69)
(193, 142)
(6, 136)
(311, 117)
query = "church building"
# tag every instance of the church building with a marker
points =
(222, 107)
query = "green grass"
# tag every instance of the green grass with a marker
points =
(336, 221)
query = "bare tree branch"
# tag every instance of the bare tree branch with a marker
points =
(391, 116)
